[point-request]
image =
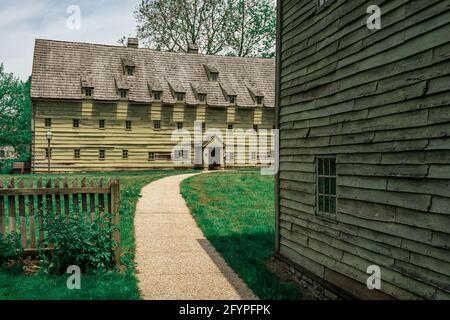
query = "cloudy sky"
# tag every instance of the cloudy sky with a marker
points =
(22, 21)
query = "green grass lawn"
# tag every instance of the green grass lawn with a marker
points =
(236, 213)
(108, 286)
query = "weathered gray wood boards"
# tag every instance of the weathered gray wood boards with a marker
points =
(379, 102)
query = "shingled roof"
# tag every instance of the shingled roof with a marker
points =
(59, 66)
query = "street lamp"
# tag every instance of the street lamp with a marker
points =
(49, 152)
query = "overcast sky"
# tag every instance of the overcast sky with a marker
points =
(22, 21)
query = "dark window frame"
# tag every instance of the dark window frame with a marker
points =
(102, 124)
(157, 95)
(130, 71)
(102, 154)
(88, 92)
(128, 125)
(123, 93)
(326, 187)
(157, 124)
(180, 125)
(151, 156)
(76, 153)
(125, 154)
(48, 122)
(232, 99)
(76, 123)
(48, 153)
(180, 96)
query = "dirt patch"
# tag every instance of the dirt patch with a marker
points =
(284, 275)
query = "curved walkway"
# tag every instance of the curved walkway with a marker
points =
(175, 261)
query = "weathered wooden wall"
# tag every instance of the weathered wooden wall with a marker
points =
(379, 100)
(141, 140)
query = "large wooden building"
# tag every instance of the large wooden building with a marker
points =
(364, 118)
(118, 107)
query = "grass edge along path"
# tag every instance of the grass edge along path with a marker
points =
(102, 287)
(236, 214)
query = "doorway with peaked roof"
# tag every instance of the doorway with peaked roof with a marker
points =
(213, 155)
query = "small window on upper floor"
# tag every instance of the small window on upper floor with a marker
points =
(255, 127)
(157, 95)
(76, 153)
(128, 125)
(123, 93)
(230, 126)
(180, 96)
(48, 122)
(232, 99)
(157, 124)
(76, 123)
(151, 156)
(214, 76)
(88, 92)
(259, 101)
(130, 70)
(101, 124)
(179, 125)
(102, 154)
(124, 154)
(202, 97)
(326, 187)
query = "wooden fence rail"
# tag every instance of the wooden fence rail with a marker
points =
(20, 203)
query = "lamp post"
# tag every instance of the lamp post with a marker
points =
(49, 152)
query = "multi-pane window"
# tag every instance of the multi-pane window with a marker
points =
(128, 125)
(101, 154)
(123, 93)
(76, 153)
(88, 92)
(151, 156)
(48, 122)
(124, 154)
(179, 125)
(255, 127)
(157, 95)
(180, 96)
(157, 124)
(230, 156)
(326, 186)
(254, 156)
(180, 154)
(214, 76)
(76, 123)
(230, 126)
(259, 100)
(232, 99)
(130, 70)
(101, 124)
(48, 153)
(202, 97)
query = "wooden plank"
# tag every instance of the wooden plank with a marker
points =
(23, 234)
(2, 211)
(92, 202)
(101, 198)
(75, 200)
(57, 198)
(115, 211)
(49, 197)
(12, 209)
(40, 220)
(35, 191)
(66, 200)
(84, 210)
(32, 220)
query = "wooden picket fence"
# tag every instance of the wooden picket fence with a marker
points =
(20, 203)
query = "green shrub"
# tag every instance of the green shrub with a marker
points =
(10, 250)
(79, 242)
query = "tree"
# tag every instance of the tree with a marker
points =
(233, 27)
(15, 110)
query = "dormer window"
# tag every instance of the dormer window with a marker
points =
(232, 99)
(130, 70)
(202, 97)
(214, 76)
(88, 92)
(259, 101)
(180, 96)
(157, 95)
(123, 93)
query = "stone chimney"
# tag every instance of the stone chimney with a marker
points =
(193, 48)
(133, 43)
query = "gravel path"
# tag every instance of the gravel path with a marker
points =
(175, 261)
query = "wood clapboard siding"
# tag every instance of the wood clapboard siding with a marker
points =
(378, 100)
(139, 141)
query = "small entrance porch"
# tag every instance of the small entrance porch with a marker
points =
(213, 154)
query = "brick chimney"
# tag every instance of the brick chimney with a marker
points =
(193, 48)
(133, 43)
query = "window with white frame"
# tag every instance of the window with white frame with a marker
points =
(326, 186)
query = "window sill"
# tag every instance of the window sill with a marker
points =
(328, 217)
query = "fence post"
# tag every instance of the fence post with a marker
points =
(115, 212)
